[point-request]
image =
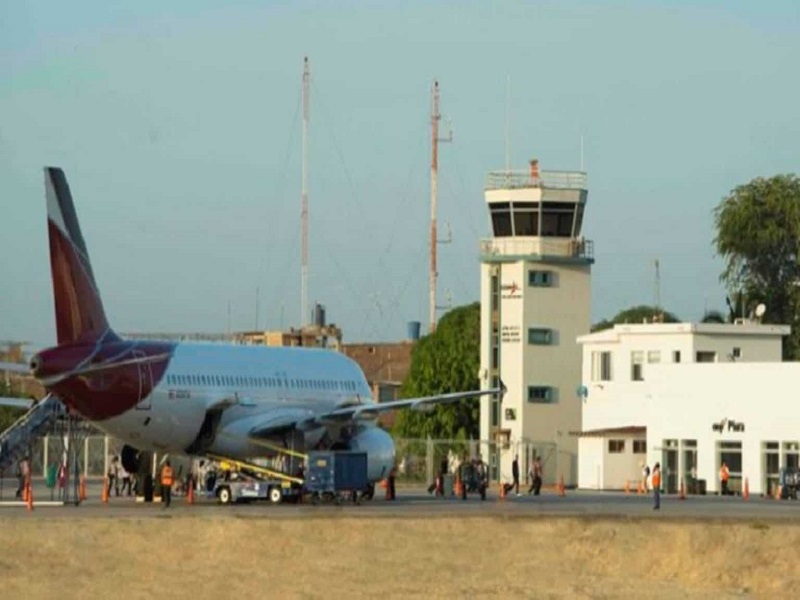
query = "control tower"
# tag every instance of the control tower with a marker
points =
(535, 302)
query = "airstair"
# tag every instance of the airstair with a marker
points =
(16, 440)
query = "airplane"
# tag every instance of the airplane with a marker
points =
(199, 399)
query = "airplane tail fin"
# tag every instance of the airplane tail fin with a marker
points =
(79, 310)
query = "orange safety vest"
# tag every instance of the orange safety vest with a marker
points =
(166, 476)
(724, 474)
(656, 480)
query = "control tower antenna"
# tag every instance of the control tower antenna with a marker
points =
(657, 287)
(508, 124)
(435, 139)
(304, 207)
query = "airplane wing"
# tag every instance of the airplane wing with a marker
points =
(353, 412)
(16, 402)
(15, 368)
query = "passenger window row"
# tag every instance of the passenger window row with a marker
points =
(330, 385)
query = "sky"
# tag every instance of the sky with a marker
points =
(178, 125)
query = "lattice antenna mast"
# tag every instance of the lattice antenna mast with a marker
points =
(435, 139)
(304, 203)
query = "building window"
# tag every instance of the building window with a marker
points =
(601, 366)
(676, 356)
(616, 446)
(540, 394)
(640, 446)
(540, 278)
(653, 356)
(540, 337)
(637, 358)
(703, 356)
(737, 353)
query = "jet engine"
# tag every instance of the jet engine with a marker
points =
(379, 447)
(130, 459)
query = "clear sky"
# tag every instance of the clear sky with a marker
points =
(179, 132)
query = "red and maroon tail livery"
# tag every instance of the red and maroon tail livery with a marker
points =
(79, 311)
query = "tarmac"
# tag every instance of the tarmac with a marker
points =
(414, 501)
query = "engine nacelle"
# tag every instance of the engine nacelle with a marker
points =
(379, 447)
(130, 459)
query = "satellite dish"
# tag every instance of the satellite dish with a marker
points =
(760, 310)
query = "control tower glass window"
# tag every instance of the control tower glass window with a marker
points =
(501, 219)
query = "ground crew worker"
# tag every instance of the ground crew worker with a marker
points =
(655, 479)
(515, 474)
(166, 484)
(724, 475)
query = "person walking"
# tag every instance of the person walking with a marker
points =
(655, 479)
(167, 480)
(23, 471)
(515, 474)
(113, 476)
(536, 476)
(724, 475)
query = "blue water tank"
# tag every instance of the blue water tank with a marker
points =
(413, 330)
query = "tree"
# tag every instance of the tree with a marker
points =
(8, 414)
(637, 314)
(758, 236)
(446, 361)
(713, 316)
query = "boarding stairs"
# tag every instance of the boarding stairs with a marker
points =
(15, 441)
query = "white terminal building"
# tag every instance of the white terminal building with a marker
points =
(689, 396)
(535, 302)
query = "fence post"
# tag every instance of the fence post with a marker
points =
(429, 459)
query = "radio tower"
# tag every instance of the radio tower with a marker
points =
(304, 208)
(435, 116)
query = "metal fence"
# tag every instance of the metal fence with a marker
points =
(419, 461)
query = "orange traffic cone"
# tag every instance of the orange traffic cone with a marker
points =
(627, 487)
(190, 494)
(104, 496)
(82, 488)
(640, 488)
(562, 491)
(25, 491)
(502, 491)
(29, 498)
(746, 493)
(682, 491)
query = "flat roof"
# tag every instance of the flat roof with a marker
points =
(721, 329)
(608, 431)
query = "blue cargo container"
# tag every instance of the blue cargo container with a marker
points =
(335, 472)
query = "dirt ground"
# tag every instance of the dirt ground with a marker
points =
(226, 556)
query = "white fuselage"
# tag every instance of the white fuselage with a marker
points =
(260, 384)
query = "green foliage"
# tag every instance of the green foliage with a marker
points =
(446, 361)
(758, 236)
(9, 414)
(637, 314)
(713, 316)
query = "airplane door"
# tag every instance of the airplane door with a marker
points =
(145, 382)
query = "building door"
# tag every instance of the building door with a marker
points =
(689, 465)
(669, 466)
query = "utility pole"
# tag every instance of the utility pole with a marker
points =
(304, 207)
(435, 139)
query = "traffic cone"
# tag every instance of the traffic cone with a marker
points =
(682, 492)
(746, 494)
(25, 491)
(640, 488)
(82, 489)
(104, 496)
(502, 491)
(627, 487)
(562, 491)
(29, 496)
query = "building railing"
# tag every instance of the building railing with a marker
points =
(540, 246)
(509, 180)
